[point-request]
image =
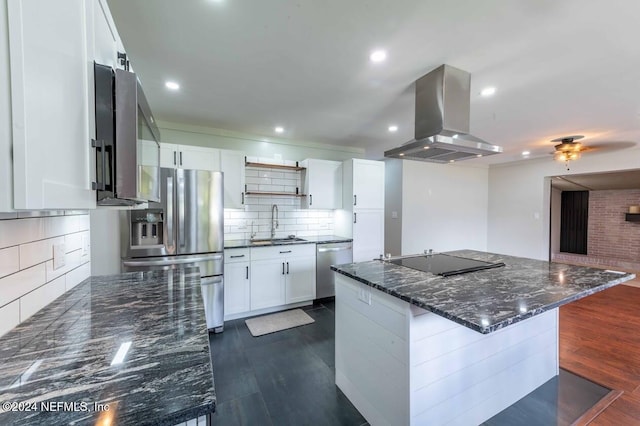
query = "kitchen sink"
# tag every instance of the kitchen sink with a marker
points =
(269, 241)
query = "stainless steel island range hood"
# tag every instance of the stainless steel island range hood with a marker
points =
(442, 120)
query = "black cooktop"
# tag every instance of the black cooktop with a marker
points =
(444, 264)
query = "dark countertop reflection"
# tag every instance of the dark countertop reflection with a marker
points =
(121, 349)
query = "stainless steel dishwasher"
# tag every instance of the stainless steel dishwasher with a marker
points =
(330, 254)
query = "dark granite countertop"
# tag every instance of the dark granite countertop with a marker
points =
(488, 300)
(321, 239)
(63, 354)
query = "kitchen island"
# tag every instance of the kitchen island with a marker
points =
(122, 349)
(416, 348)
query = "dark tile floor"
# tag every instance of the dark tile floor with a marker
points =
(288, 378)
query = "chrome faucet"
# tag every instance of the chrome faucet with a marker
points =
(274, 220)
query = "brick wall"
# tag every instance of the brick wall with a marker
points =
(609, 235)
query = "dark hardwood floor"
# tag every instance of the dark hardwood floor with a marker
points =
(600, 340)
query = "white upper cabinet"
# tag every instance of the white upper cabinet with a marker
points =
(368, 184)
(322, 182)
(232, 165)
(189, 157)
(50, 59)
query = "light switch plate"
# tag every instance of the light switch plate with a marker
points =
(58, 256)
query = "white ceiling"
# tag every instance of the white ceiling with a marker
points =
(560, 67)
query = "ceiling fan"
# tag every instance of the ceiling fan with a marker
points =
(569, 149)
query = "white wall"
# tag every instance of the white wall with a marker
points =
(105, 232)
(519, 199)
(393, 203)
(254, 145)
(28, 281)
(444, 207)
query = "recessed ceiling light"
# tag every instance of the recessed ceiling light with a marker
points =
(525, 153)
(452, 161)
(488, 91)
(378, 56)
(401, 154)
(393, 128)
(455, 136)
(478, 155)
(427, 147)
(279, 129)
(172, 85)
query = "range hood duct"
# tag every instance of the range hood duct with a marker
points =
(442, 120)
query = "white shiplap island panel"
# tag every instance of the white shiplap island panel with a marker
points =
(402, 365)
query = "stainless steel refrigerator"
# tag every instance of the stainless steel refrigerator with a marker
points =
(184, 229)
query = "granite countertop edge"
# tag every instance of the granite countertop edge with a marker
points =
(234, 244)
(495, 326)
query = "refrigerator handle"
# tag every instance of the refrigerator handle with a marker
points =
(169, 213)
(181, 210)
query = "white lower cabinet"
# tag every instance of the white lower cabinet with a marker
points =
(266, 279)
(237, 281)
(267, 283)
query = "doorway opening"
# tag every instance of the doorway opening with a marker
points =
(590, 221)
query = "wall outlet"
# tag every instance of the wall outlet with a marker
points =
(84, 245)
(58, 256)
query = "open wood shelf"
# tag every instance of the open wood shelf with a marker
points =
(632, 217)
(273, 166)
(291, 194)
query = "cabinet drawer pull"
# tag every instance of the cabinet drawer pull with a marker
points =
(310, 199)
(355, 200)
(286, 251)
(247, 272)
(242, 198)
(355, 218)
(237, 256)
(175, 162)
(282, 268)
(287, 268)
(181, 158)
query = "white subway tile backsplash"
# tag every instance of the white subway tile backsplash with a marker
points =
(15, 285)
(38, 251)
(32, 302)
(14, 232)
(9, 316)
(27, 280)
(76, 276)
(5, 216)
(83, 223)
(71, 261)
(9, 261)
(292, 219)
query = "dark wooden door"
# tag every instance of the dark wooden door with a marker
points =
(574, 218)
